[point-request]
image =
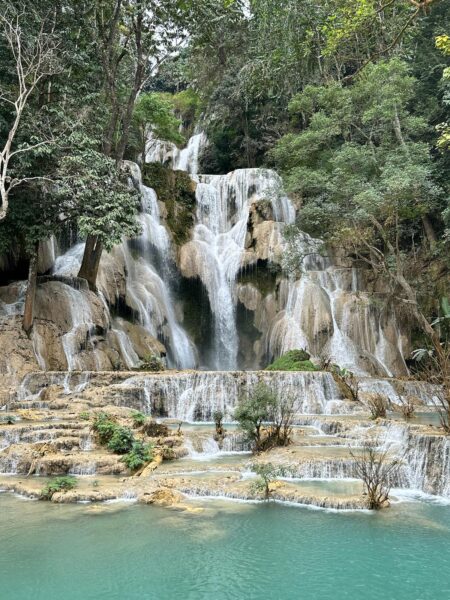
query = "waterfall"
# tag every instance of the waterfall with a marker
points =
(238, 228)
(193, 397)
(147, 290)
(327, 313)
(186, 159)
(82, 325)
(216, 250)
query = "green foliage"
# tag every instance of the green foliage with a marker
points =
(177, 191)
(188, 105)
(253, 409)
(218, 417)
(84, 415)
(138, 456)
(293, 360)
(154, 114)
(443, 142)
(152, 362)
(99, 195)
(8, 419)
(138, 419)
(360, 166)
(104, 426)
(121, 440)
(58, 484)
(267, 473)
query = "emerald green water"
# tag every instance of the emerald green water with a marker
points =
(227, 551)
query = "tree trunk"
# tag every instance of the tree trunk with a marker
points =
(91, 260)
(28, 314)
(429, 230)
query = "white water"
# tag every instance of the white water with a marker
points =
(326, 311)
(193, 397)
(186, 159)
(216, 251)
(148, 292)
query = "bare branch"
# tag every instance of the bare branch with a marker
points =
(35, 57)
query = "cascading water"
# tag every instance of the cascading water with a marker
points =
(194, 397)
(328, 313)
(216, 250)
(148, 292)
(186, 159)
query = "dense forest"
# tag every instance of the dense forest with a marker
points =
(348, 99)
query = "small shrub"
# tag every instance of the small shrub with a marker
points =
(218, 417)
(265, 417)
(154, 429)
(168, 453)
(294, 360)
(253, 409)
(406, 407)
(138, 456)
(121, 441)
(267, 473)
(377, 406)
(8, 419)
(153, 363)
(104, 427)
(377, 470)
(58, 484)
(84, 415)
(138, 419)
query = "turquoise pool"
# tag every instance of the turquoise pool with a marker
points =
(225, 551)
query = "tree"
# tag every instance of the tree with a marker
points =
(443, 44)
(253, 409)
(367, 30)
(218, 417)
(134, 38)
(154, 116)
(363, 175)
(261, 406)
(377, 470)
(33, 52)
(267, 473)
(282, 418)
(101, 201)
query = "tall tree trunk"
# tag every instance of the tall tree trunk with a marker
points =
(91, 260)
(427, 225)
(429, 230)
(28, 314)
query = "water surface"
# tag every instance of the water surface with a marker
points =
(226, 551)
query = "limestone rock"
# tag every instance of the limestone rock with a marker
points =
(162, 497)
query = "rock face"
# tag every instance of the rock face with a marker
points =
(72, 330)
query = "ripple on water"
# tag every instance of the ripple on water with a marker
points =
(227, 551)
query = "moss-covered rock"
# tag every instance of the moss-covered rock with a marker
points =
(294, 360)
(177, 190)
